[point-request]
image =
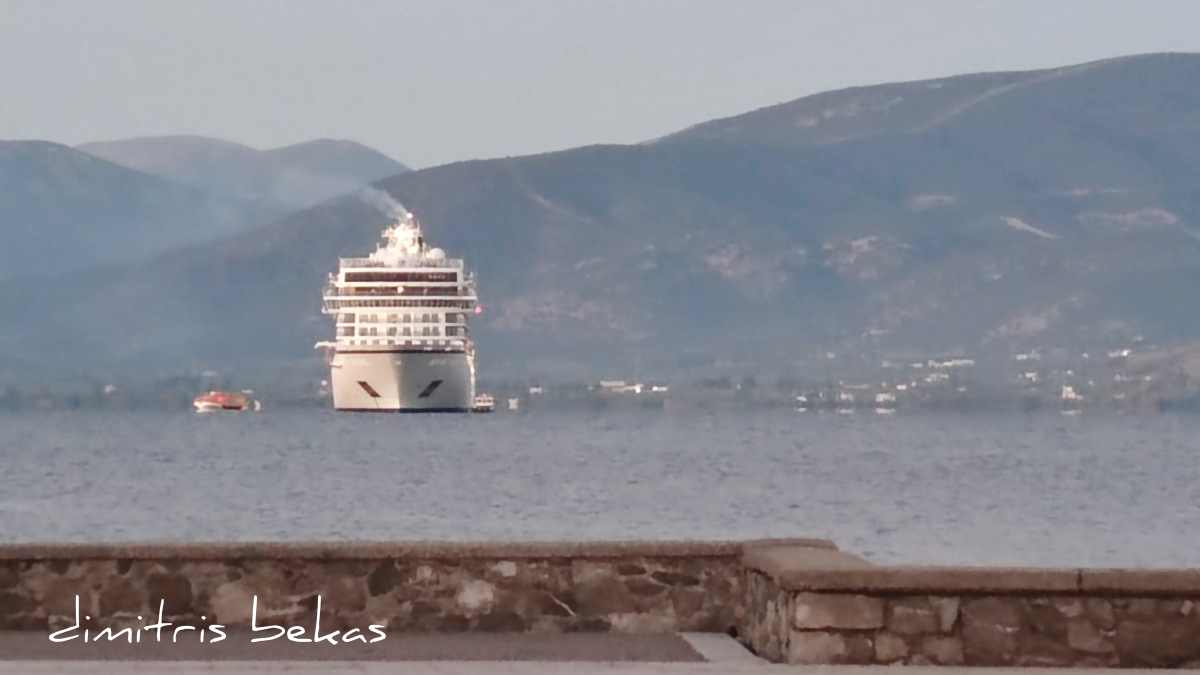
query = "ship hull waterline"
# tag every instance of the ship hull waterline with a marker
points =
(402, 381)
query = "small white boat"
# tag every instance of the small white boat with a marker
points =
(215, 401)
(207, 406)
(484, 403)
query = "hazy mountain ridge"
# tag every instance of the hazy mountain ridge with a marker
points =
(1014, 210)
(869, 111)
(64, 210)
(281, 179)
(853, 113)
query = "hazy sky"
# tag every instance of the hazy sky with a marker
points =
(430, 82)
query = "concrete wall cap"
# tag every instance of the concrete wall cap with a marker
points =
(807, 573)
(383, 550)
(911, 579)
(777, 561)
(1141, 581)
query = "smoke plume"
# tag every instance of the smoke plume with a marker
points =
(383, 202)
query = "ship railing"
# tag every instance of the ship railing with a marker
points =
(334, 294)
(451, 263)
(331, 305)
(390, 288)
(376, 344)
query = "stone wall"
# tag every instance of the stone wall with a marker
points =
(833, 608)
(602, 586)
(791, 601)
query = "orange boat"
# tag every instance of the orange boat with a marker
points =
(214, 401)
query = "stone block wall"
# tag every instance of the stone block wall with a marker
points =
(600, 586)
(822, 614)
(795, 601)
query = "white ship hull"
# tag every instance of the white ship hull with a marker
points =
(402, 381)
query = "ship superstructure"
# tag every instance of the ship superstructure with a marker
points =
(401, 325)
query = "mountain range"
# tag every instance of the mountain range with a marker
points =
(282, 179)
(981, 214)
(68, 209)
(64, 210)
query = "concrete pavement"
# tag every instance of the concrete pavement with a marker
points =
(548, 647)
(30, 653)
(500, 668)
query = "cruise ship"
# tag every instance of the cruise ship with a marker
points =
(401, 338)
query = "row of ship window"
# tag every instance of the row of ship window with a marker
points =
(406, 331)
(427, 344)
(403, 290)
(339, 304)
(403, 318)
(401, 276)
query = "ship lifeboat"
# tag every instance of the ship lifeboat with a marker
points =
(215, 401)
